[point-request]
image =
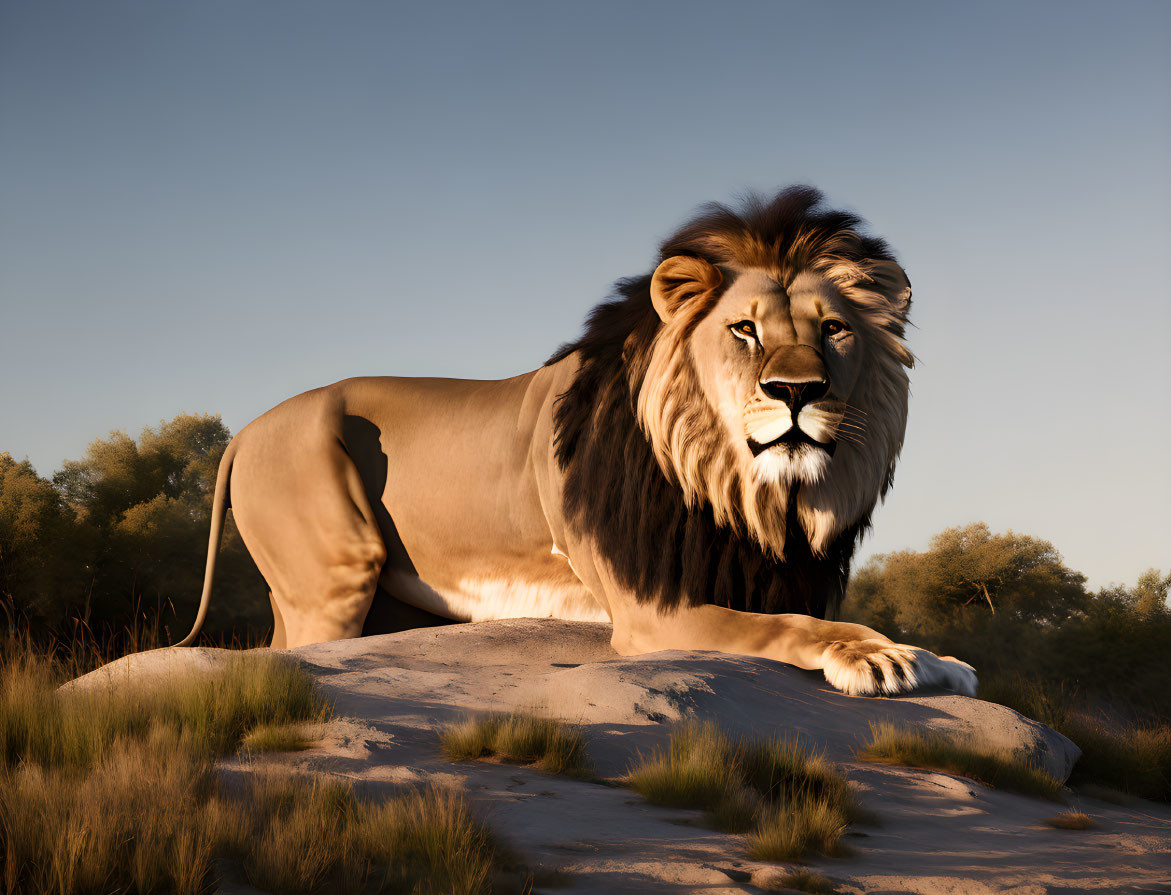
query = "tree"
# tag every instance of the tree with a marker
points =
(122, 533)
(41, 571)
(968, 573)
(1150, 593)
(149, 502)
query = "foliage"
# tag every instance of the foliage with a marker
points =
(38, 532)
(966, 573)
(1091, 665)
(121, 531)
(1007, 604)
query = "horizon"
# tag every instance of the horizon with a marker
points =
(211, 209)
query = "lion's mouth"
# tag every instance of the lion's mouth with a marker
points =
(793, 440)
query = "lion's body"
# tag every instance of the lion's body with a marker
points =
(696, 469)
(420, 485)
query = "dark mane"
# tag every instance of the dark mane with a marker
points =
(615, 490)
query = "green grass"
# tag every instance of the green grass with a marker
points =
(998, 769)
(789, 801)
(114, 790)
(548, 744)
(1072, 820)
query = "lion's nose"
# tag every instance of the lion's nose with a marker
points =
(795, 394)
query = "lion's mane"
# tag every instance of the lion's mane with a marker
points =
(650, 474)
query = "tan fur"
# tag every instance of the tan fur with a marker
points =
(448, 493)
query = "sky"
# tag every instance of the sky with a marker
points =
(209, 207)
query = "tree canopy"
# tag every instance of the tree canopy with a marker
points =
(968, 571)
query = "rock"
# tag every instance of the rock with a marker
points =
(568, 670)
(938, 834)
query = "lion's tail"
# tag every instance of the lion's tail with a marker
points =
(219, 508)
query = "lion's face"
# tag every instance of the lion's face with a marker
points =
(759, 387)
(778, 365)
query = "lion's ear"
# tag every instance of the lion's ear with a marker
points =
(892, 282)
(680, 279)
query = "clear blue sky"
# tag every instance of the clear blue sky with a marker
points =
(212, 206)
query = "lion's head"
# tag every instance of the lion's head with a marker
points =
(762, 367)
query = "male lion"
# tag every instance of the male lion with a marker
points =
(696, 469)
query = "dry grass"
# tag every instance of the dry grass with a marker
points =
(1133, 758)
(804, 881)
(299, 835)
(791, 802)
(74, 729)
(114, 791)
(998, 769)
(1072, 820)
(792, 830)
(549, 745)
(147, 818)
(277, 738)
(127, 823)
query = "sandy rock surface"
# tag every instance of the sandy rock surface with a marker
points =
(938, 833)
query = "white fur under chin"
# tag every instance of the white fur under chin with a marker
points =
(781, 466)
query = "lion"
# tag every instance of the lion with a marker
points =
(696, 469)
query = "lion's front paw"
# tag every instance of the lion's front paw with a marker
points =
(870, 667)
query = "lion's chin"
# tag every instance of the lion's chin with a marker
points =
(784, 464)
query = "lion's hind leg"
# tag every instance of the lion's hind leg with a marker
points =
(305, 518)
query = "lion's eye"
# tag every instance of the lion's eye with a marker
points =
(745, 328)
(834, 327)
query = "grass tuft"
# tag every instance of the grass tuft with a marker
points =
(276, 738)
(1072, 820)
(804, 881)
(998, 769)
(795, 829)
(791, 802)
(550, 745)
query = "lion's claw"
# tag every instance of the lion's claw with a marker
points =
(873, 667)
